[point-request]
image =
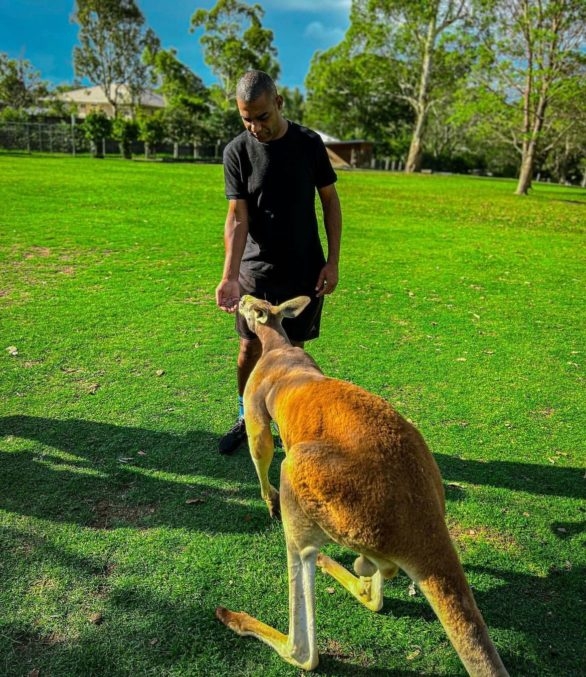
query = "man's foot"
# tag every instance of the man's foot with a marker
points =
(233, 438)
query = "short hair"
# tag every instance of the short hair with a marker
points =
(254, 84)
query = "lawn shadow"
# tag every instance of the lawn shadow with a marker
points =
(94, 488)
(116, 475)
(534, 479)
(124, 476)
(175, 634)
(546, 610)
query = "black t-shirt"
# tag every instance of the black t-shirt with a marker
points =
(278, 180)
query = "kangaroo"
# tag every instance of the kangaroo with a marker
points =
(357, 473)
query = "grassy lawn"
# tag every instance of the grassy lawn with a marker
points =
(121, 528)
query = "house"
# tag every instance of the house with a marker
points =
(346, 154)
(90, 99)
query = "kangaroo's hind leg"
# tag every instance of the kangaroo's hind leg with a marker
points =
(303, 538)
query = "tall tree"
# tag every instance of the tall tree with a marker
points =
(112, 40)
(532, 48)
(565, 136)
(188, 100)
(20, 83)
(235, 41)
(422, 43)
(352, 93)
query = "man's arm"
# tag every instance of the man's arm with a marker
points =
(235, 232)
(332, 211)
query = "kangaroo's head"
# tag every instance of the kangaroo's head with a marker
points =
(260, 314)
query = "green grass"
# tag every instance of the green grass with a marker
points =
(121, 528)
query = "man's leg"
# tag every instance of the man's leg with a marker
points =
(249, 352)
(248, 355)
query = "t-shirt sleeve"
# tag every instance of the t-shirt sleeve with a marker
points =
(325, 174)
(233, 179)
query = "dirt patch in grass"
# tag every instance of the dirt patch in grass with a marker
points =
(37, 252)
(466, 536)
(108, 515)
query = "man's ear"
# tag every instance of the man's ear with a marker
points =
(294, 307)
(279, 101)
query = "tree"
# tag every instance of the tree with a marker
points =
(531, 50)
(97, 126)
(20, 84)
(564, 137)
(293, 103)
(352, 93)
(187, 114)
(422, 43)
(112, 40)
(126, 132)
(235, 41)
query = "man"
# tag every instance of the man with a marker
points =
(271, 236)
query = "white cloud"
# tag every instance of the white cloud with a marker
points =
(323, 34)
(321, 6)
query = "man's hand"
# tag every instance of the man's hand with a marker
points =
(228, 295)
(327, 280)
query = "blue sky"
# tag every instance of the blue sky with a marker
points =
(41, 32)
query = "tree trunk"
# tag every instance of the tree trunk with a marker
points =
(415, 157)
(530, 145)
(526, 174)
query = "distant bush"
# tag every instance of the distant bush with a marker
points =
(97, 126)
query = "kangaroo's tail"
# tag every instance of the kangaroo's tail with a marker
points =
(445, 587)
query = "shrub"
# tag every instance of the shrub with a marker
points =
(125, 132)
(97, 126)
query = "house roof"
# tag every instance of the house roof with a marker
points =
(326, 138)
(120, 93)
(332, 141)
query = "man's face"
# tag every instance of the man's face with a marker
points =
(262, 117)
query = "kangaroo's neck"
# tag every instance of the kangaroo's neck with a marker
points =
(272, 337)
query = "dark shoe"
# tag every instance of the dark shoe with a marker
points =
(233, 438)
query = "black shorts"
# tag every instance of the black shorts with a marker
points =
(304, 327)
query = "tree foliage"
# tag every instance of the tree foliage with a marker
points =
(425, 45)
(293, 104)
(522, 88)
(97, 126)
(20, 84)
(188, 110)
(112, 40)
(126, 132)
(353, 94)
(235, 41)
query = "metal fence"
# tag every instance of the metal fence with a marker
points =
(42, 137)
(63, 137)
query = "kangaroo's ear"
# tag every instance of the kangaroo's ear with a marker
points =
(293, 307)
(261, 315)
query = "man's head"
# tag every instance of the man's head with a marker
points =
(259, 106)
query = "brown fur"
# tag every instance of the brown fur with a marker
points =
(359, 474)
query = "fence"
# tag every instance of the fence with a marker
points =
(63, 137)
(42, 137)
